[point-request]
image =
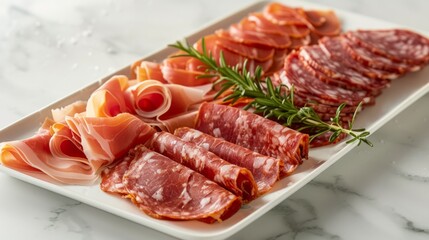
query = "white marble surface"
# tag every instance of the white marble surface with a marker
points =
(49, 49)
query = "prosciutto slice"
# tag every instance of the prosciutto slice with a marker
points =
(145, 70)
(165, 189)
(108, 100)
(74, 152)
(266, 170)
(236, 179)
(253, 132)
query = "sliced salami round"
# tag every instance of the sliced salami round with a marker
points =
(400, 45)
(237, 180)
(366, 57)
(305, 82)
(266, 170)
(318, 59)
(165, 189)
(253, 132)
(334, 47)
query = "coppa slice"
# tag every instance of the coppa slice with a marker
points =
(165, 189)
(399, 45)
(236, 179)
(266, 170)
(253, 132)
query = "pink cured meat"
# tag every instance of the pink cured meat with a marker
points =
(336, 50)
(370, 59)
(400, 45)
(112, 177)
(237, 180)
(315, 57)
(253, 132)
(266, 170)
(165, 189)
(304, 81)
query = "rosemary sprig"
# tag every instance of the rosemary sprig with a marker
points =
(268, 100)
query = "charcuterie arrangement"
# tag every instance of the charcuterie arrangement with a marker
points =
(218, 123)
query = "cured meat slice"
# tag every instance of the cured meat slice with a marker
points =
(153, 99)
(106, 139)
(108, 100)
(253, 132)
(262, 24)
(165, 189)
(231, 58)
(367, 57)
(112, 177)
(59, 114)
(303, 81)
(328, 24)
(145, 70)
(284, 15)
(335, 48)
(315, 57)
(74, 152)
(266, 170)
(184, 77)
(246, 32)
(400, 45)
(236, 179)
(251, 52)
(315, 18)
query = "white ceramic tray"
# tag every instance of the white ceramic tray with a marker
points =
(401, 94)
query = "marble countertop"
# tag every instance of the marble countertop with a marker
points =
(49, 49)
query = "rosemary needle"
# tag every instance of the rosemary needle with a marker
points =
(269, 100)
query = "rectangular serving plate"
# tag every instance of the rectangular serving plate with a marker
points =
(402, 93)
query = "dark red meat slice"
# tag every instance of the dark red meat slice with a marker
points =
(165, 189)
(335, 48)
(399, 45)
(367, 57)
(266, 170)
(236, 179)
(315, 57)
(111, 178)
(253, 132)
(305, 82)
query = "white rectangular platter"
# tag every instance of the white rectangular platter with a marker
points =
(402, 93)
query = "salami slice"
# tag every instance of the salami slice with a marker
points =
(335, 48)
(236, 179)
(315, 57)
(111, 178)
(266, 170)
(400, 45)
(164, 189)
(305, 82)
(253, 132)
(373, 60)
